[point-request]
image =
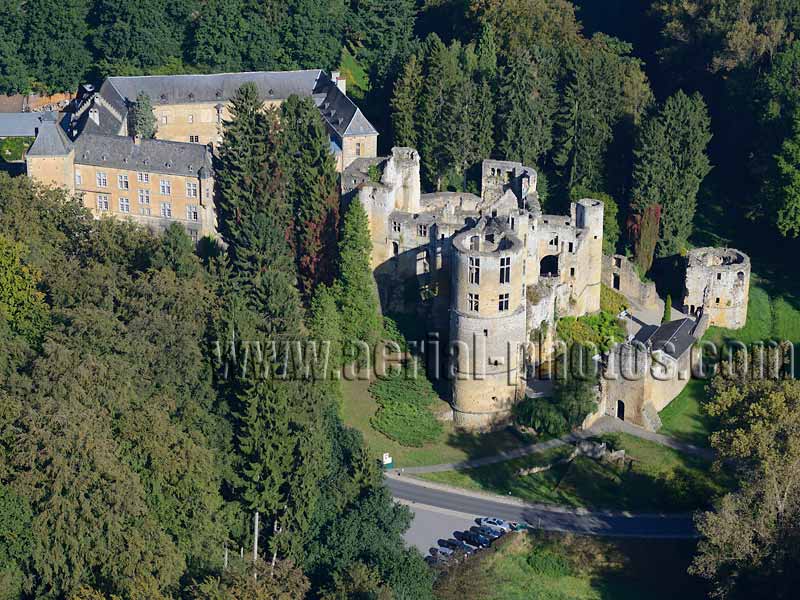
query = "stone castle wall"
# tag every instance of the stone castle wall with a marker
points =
(718, 285)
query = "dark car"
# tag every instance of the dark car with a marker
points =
(476, 539)
(492, 534)
(456, 546)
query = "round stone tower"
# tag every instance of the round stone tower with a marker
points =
(718, 285)
(487, 322)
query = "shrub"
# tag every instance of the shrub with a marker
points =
(602, 329)
(547, 563)
(611, 301)
(667, 310)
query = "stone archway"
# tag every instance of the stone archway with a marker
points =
(620, 410)
(548, 267)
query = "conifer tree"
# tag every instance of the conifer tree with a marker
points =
(311, 191)
(405, 103)
(143, 121)
(788, 163)
(670, 164)
(529, 102)
(326, 324)
(358, 301)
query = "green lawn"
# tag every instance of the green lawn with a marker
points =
(12, 149)
(659, 479)
(556, 566)
(452, 446)
(683, 418)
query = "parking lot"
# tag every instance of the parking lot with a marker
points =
(432, 523)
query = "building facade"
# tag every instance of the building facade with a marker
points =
(718, 285)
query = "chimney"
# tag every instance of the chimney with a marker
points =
(340, 81)
(94, 115)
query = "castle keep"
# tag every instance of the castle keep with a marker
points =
(486, 272)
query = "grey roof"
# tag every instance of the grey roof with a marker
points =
(108, 124)
(154, 156)
(50, 141)
(673, 338)
(341, 115)
(24, 124)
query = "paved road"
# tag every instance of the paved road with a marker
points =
(549, 518)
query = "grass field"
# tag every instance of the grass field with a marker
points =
(659, 479)
(12, 149)
(452, 446)
(554, 566)
(684, 419)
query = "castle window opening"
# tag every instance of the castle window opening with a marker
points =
(474, 243)
(422, 230)
(395, 248)
(396, 226)
(490, 238)
(358, 148)
(485, 333)
(512, 222)
(615, 281)
(719, 276)
(473, 301)
(102, 202)
(548, 267)
(474, 270)
(502, 302)
(617, 262)
(740, 275)
(569, 247)
(572, 272)
(716, 301)
(620, 410)
(194, 139)
(505, 269)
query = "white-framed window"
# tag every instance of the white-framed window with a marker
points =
(396, 226)
(502, 303)
(194, 139)
(124, 205)
(166, 210)
(144, 197)
(78, 178)
(143, 177)
(505, 269)
(195, 235)
(122, 182)
(144, 211)
(164, 119)
(358, 148)
(191, 118)
(474, 270)
(102, 202)
(474, 302)
(192, 212)
(422, 230)
(102, 179)
(165, 187)
(191, 189)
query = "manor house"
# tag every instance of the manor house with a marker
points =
(89, 149)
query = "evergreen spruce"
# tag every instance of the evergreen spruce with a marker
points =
(358, 301)
(405, 103)
(143, 120)
(788, 164)
(311, 191)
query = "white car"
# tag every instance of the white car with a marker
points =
(495, 523)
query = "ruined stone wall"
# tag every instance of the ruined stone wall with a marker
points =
(619, 274)
(718, 284)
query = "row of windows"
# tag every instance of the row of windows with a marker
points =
(164, 119)
(164, 185)
(474, 302)
(124, 205)
(475, 269)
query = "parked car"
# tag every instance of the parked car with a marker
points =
(495, 523)
(488, 532)
(441, 551)
(457, 546)
(518, 526)
(465, 537)
(477, 539)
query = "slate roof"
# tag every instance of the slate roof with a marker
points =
(51, 141)
(673, 338)
(154, 156)
(24, 124)
(341, 115)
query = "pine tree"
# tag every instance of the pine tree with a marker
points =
(405, 103)
(528, 106)
(218, 41)
(311, 191)
(487, 54)
(358, 301)
(385, 30)
(643, 230)
(143, 121)
(14, 76)
(670, 164)
(326, 325)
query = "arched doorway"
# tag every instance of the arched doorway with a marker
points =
(548, 267)
(620, 410)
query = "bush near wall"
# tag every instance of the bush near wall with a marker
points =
(404, 399)
(611, 301)
(602, 329)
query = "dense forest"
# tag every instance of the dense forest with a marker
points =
(135, 451)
